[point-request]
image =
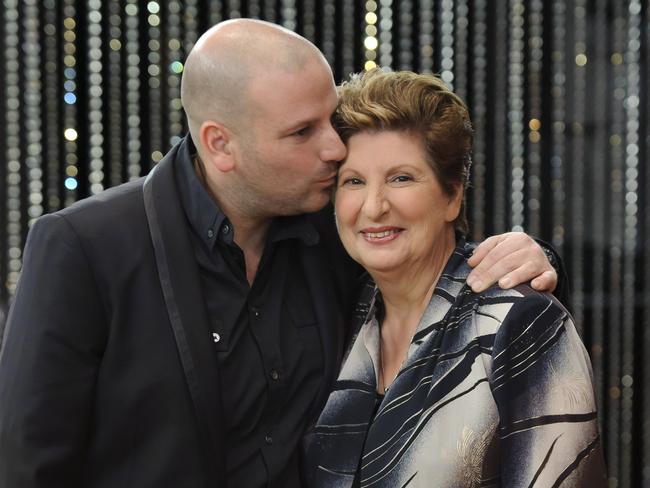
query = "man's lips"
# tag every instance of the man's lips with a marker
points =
(381, 234)
(328, 180)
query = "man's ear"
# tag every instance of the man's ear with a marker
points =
(216, 142)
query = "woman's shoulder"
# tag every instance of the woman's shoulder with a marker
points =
(519, 310)
(530, 332)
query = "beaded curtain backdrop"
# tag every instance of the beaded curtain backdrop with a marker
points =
(559, 97)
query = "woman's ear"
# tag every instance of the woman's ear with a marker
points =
(216, 143)
(454, 203)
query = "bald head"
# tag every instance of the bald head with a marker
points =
(219, 69)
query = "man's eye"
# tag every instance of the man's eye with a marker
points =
(301, 132)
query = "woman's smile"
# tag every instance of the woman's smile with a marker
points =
(380, 235)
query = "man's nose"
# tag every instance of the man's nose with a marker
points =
(333, 147)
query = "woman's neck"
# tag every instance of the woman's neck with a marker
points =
(406, 292)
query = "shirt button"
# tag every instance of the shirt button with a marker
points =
(216, 337)
(255, 312)
(268, 439)
(275, 376)
(210, 233)
(225, 229)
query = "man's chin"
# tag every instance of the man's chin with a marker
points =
(316, 203)
(306, 206)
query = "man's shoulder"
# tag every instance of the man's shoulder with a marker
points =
(110, 202)
(117, 212)
(125, 203)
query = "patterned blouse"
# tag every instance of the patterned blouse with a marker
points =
(496, 390)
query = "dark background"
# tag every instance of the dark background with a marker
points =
(559, 98)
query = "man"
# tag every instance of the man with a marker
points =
(183, 330)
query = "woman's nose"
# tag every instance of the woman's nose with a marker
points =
(376, 204)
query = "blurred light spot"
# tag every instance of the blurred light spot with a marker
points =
(71, 183)
(581, 59)
(370, 42)
(176, 67)
(70, 98)
(371, 18)
(154, 20)
(370, 65)
(447, 76)
(535, 124)
(70, 134)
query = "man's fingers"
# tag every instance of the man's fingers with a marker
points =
(511, 259)
(497, 256)
(522, 274)
(547, 281)
(483, 250)
(497, 265)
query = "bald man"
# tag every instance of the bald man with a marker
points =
(184, 329)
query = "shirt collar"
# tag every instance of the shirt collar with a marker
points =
(204, 215)
(293, 227)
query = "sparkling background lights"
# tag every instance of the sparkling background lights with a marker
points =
(559, 95)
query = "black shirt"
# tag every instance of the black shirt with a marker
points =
(266, 337)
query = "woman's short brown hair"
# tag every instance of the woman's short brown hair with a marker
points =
(421, 104)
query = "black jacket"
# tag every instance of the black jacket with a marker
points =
(108, 377)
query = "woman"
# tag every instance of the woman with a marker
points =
(442, 386)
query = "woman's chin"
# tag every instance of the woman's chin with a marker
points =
(381, 265)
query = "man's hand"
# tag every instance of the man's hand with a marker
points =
(511, 259)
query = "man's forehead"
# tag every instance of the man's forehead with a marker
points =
(298, 93)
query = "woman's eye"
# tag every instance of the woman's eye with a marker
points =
(402, 178)
(352, 181)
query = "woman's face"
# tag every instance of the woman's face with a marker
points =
(391, 211)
